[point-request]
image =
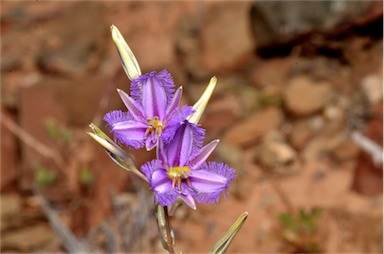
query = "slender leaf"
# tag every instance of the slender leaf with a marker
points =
(223, 244)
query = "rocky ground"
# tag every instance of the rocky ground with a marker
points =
(297, 93)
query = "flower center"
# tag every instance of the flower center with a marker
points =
(155, 126)
(178, 174)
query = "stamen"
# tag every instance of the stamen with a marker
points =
(154, 126)
(178, 174)
(190, 185)
(179, 182)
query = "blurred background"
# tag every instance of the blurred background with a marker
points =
(298, 109)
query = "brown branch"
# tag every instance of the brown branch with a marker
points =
(30, 141)
(69, 241)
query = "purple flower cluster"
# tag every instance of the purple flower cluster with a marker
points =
(154, 119)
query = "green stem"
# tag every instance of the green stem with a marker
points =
(168, 229)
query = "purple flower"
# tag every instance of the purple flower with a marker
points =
(152, 108)
(181, 170)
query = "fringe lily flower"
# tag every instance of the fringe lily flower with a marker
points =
(181, 170)
(151, 108)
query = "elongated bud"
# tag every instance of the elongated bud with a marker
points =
(200, 105)
(118, 155)
(127, 58)
(223, 244)
(162, 222)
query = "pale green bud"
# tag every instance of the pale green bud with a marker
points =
(200, 105)
(128, 59)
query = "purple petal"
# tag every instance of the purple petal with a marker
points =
(160, 152)
(210, 181)
(149, 167)
(203, 155)
(130, 132)
(189, 200)
(165, 78)
(159, 182)
(150, 143)
(117, 116)
(185, 144)
(175, 101)
(154, 91)
(177, 118)
(133, 107)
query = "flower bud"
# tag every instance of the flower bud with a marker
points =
(127, 58)
(200, 105)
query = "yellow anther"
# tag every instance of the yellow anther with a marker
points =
(178, 174)
(154, 126)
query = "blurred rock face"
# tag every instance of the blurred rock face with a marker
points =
(276, 22)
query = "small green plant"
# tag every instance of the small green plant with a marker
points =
(301, 230)
(86, 177)
(265, 100)
(43, 176)
(55, 131)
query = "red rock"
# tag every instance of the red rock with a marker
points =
(305, 96)
(271, 73)
(226, 39)
(8, 155)
(283, 21)
(221, 113)
(253, 127)
(153, 43)
(36, 105)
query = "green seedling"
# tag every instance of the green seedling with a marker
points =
(86, 177)
(55, 131)
(301, 230)
(43, 176)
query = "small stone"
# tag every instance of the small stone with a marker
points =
(333, 113)
(315, 150)
(264, 75)
(10, 205)
(10, 60)
(274, 151)
(27, 239)
(372, 86)
(250, 130)
(235, 158)
(304, 96)
(346, 150)
(300, 134)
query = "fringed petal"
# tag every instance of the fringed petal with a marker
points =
(130, 133)
(185, 144)
(117, 116)
(159, 182)
(154, 92)
(210, 181)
